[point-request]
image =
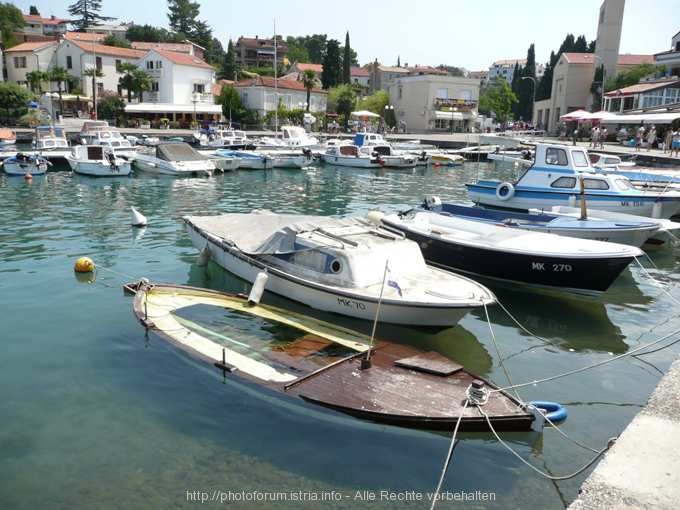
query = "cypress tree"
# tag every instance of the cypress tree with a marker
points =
(346, 61)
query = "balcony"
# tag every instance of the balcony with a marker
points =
(201, 97)
(461, 105)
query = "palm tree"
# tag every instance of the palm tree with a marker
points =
(127, 80)
(59, 75)
(309, 81)
(141, 81)
(35, 80)
(93, 72)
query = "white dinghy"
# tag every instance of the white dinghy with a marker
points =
(98, 161)
(347, 266)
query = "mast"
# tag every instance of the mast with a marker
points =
(276, 88)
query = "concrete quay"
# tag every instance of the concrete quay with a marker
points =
(642, 470)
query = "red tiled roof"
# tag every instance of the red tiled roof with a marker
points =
(217, 87)
(426, 70)
(32, 18)
(268, 81)
(317, 68)
(30, 46)
(634, 60)
(113, 51)
(579, 58)
(177, 47)
(511, 62)
(359, 72)
(640, 87)
(183, 59)
(84, 36)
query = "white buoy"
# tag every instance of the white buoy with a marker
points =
(375, 217)
(204, 256)
(258, 288)
(138, 219)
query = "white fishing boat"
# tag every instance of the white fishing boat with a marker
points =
(248, 160)
(98, 161)
(25, 164)
(98, 132)
(555, 178)
(222, 137)
(291, 137)
(176, 158)
(389, 157)
(347, 266)
(50, 138)
(349, 155)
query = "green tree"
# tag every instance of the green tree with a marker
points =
(570, 44)
(308, 48)
(332, 66)
(346, 61)
(127, 81)
(183, 16)
(33, 11)
(297, 51)
(148, 33)
(92, 73)
(35, 80)
(228, 67)
(233, 108)
(58, 75)
(110, 107)
(516, 73)
(114, 40)
(525, 90)
(632, 76)
(452, 70)
(309, 82)
(86, 13)
(497, 98)
(11, 20)
(141, 82)
(342, 99)
(376, 102)
(14, 100)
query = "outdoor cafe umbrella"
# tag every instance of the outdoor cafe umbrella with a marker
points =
(577, 115)
(365, 113)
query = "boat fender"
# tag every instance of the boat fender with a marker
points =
(203, 256)
(553, 411)
(432, 202)
(375, 217)
(258, 288)
(656, 209)
(138, 219)
(505, 191)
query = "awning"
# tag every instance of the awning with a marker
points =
(365, 113)
(172, 108)
(577, 115)
(448, 115)
(645, 118)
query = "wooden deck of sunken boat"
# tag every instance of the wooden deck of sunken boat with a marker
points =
(403, 386)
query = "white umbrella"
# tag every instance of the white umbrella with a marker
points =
(577, 115)
(364, 113)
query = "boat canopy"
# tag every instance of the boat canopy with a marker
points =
(178, 152)
(266, 233)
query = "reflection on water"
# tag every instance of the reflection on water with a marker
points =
(96, 410)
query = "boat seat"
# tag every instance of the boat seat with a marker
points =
(430, 362)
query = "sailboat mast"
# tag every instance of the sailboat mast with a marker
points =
(276, 88)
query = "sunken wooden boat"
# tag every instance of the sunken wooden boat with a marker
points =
(321, 363)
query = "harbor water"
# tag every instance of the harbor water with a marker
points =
(97, 414)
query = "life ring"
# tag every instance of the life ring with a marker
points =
(553, 411)
(505, 191)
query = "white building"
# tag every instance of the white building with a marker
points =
(435, 103)
(182, 84)
(506, 68)
(36, 28)
(27, 57)
(671, 58)
(260, 94)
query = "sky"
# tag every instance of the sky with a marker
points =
(430, 32)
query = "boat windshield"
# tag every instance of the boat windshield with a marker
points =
(50, 132)
(178, 152)
(278, 345)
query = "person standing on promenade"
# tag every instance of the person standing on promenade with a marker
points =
(594, 135)
(651, 137)
(603, 137)
(639, 136)
(675, 144)
(668, 141)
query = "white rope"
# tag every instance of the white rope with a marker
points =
(448, 458)
(498, 351)
(656, 283)
(530, 333)
(593, 365)
(599, 453)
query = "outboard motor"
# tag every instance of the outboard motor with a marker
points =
(112, 161)
(432, 203)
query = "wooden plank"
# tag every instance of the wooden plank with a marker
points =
(430, 362)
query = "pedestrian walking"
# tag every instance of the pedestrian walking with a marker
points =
(675, 144)
(603, 137)
(639, 136)
(594, 137)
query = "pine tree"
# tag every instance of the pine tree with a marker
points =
(525, 91)
(332, 65)
(87, 13)
(347, 61)
(228, 68)
(516, 74)
(33, 11)
(183, 16)
(398, 61)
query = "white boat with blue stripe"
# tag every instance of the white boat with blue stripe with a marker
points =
(555, 179)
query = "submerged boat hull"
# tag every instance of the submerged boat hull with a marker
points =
(324, 297)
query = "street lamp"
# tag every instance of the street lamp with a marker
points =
(388, 108)
(533, 98)
(195, 98)
(453, 110)
(602, 82)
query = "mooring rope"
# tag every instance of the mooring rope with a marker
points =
(498, 351)
(656, 283)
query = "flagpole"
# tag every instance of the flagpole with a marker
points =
(366, 362)
(276, 88)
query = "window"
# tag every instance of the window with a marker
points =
(69, 62)
(149, 64)
(20, 62)
(154, 86)
(99, 63)
(595, 184)
(564, 182)
(580, 158)
(100, 88)
(159, 64)
(624, 184)
(118, 63)
(199, 87)
(554, 156)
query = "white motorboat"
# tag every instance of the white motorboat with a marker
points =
(98, 161)
(7, 137)
(442, 158)
(248, 160)
(50, 138)
(338, 265)
(349, 155)
(98, 132)
(291, 137)
(389, 157)
(175, 158)
(222, 137)
(556, 177)
(223, 163)
(25, 164)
